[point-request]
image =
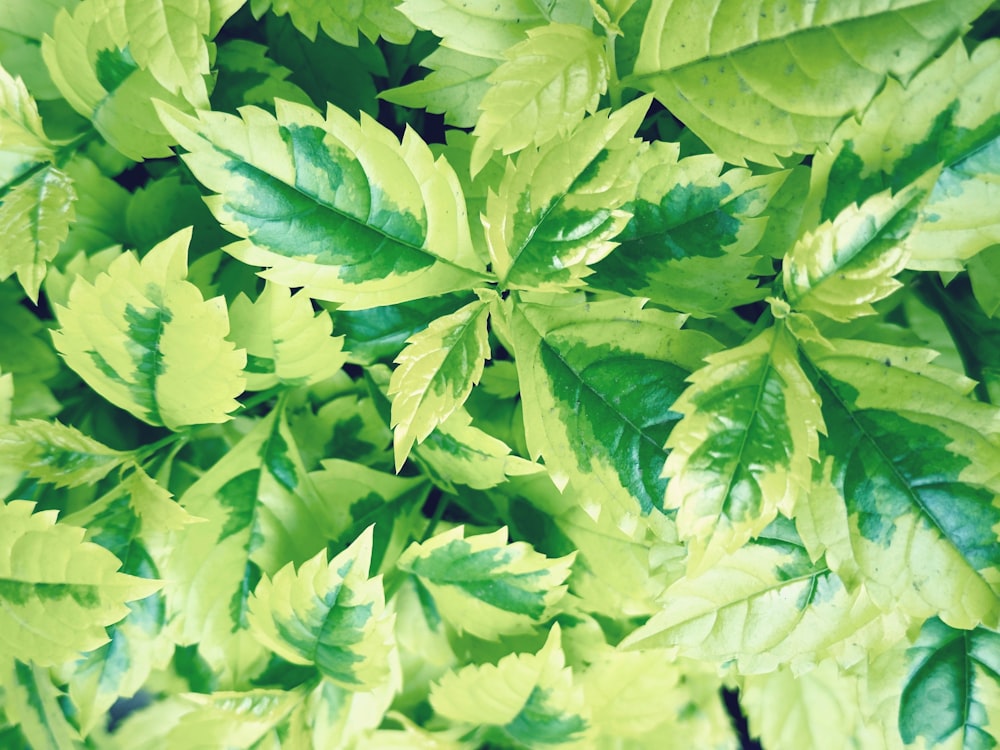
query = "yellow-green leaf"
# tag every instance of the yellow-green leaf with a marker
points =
(143, 337)
(56, 453)
(58, 592)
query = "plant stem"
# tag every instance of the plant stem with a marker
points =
(614, 85)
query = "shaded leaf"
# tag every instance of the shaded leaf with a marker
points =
(57, 453)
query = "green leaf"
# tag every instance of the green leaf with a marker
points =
(543, 89)
(33, 703)
(435, 374)
(911, 505)
(58, 592)
(745, 447)
(328, 614)
(597, 383)
(773, 78)
(247, 75)
(557, 209)
(454, 87)
(144, 338)
(342, 21)
(690, 241)
(530, 699)
(35, 216)
(850, 262)
(952, 693)
(286, 341)
(486, 586)
(94, 69)
(332, 717)
(391, 227)
(768, 604)
(167, 40)
(261, 512)
(57, 453)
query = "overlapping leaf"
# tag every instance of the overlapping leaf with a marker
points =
(328, 614)
(261, 512)
(286, 341)
(772, 77)
(167, 38)
(232, 719)
(33, 702)
(56, 453)
(744, 450)
(767, 604)
(848, 263)
(454, 87)
(143, 337)
(529, 699)
(435, 374)
(951, 696)
(390, 227)
(96, 72)
(598, 382)
(558, 209)
(689, 242)
(486, 586)
(58, 592)
(543, 89)
(123, 521)
(342, 21)
(946, 115)
(912, 465)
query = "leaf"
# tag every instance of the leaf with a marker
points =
(231, 719)
(328, 614)
(137, 644)
(557, 209)
(745, 448)
(167, 38)
(910, 460)
(768, 604)
(21, 129)
(332, 717)
(33, 703)
(530, 699)
(951, 696)
(262, 512)
(435, 374)
(57, 453)
(485, 28)
(773, 78)
(144, 338)
(597, 385)
(848, 263)
(94, 69)
(543, 89)
(454, 87)
(58, 592)
(390, 228)
(342, 21)
(248, 75)
(35, 216)
(944, 116)
(689, 243)
(286, 341)
(486, 586)
(820, 708)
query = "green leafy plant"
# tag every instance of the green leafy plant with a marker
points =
(499, 374)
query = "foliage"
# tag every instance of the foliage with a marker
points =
(499, 374)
